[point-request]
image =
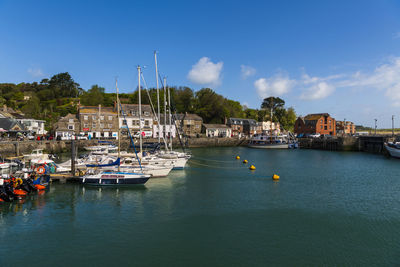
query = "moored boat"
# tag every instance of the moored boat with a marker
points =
(274, 141)
(393, 149)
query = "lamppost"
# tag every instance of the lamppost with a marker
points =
(392, 125)
(375, 125)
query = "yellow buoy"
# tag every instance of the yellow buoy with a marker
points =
(252, 167)
(237, 157)
(245, 161)
(275, 177)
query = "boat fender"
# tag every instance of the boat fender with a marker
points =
(252, 167)
(237, 157)
(18, 182)
(245, 161)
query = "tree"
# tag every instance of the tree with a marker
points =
(183, 99)
(209, 106)
(94, 96)
(272, 104)
(63, 85)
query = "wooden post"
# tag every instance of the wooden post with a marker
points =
(73, 152)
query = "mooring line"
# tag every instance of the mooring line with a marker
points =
(211, 166)
(226, 161)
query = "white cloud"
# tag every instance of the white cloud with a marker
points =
(35, 72)
(275, 86)
(319, 90)
(206, 72)
(317, 87)
(247, 71)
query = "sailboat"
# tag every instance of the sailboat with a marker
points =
(106, 175)
(177, 159)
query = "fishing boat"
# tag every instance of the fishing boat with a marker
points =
(271, 141)
(36, 154)
(393, 149)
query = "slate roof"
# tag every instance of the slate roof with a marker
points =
(216, 126)
(8, 124)
(188, 116)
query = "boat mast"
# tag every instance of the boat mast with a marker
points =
(140, 113)
(170, 119)
(165, 112)
(158, 99)
(119, 129)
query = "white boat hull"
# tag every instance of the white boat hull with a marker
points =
(269, 146)
(394, 152)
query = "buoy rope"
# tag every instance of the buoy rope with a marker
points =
(206, 159)
(217, 167)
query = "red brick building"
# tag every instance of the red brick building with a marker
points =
(321, 123)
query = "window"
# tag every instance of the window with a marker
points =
(137, 122)
(146, 123)
(71, 120)
(94, 125)
(70, 127)
(110, 118)
(124, 122)
(133, 122)
(94, 117)
(321, 127)
(85, 125)
(110, 125)
(146, 113)
(85, 117)
(101, 125)
(326, 127)
(102, 118)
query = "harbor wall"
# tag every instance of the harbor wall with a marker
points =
(370, 144)
(18, 148)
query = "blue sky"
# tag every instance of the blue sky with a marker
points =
(341, 57)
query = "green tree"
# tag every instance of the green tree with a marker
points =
(209, 106)
(63, 85)
(94, 96)
(272, 104)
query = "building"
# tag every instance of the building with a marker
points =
(236, 126)
(34, 126)
(129, 118)
(30, 125)
(189, 124)
(98, 122)
(243, 126)
(67, 126)
(166, 129)
(250, 127)
(345, 127)
(267, 126)
(11, 126)
(217, 130)
(321, 123)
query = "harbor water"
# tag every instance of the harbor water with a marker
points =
(327, 209)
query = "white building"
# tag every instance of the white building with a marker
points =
(130, 119)
(217, 130)
(35, 126)
(266, 127)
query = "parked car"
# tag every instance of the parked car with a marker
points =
(30, 137)
(316, 135)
